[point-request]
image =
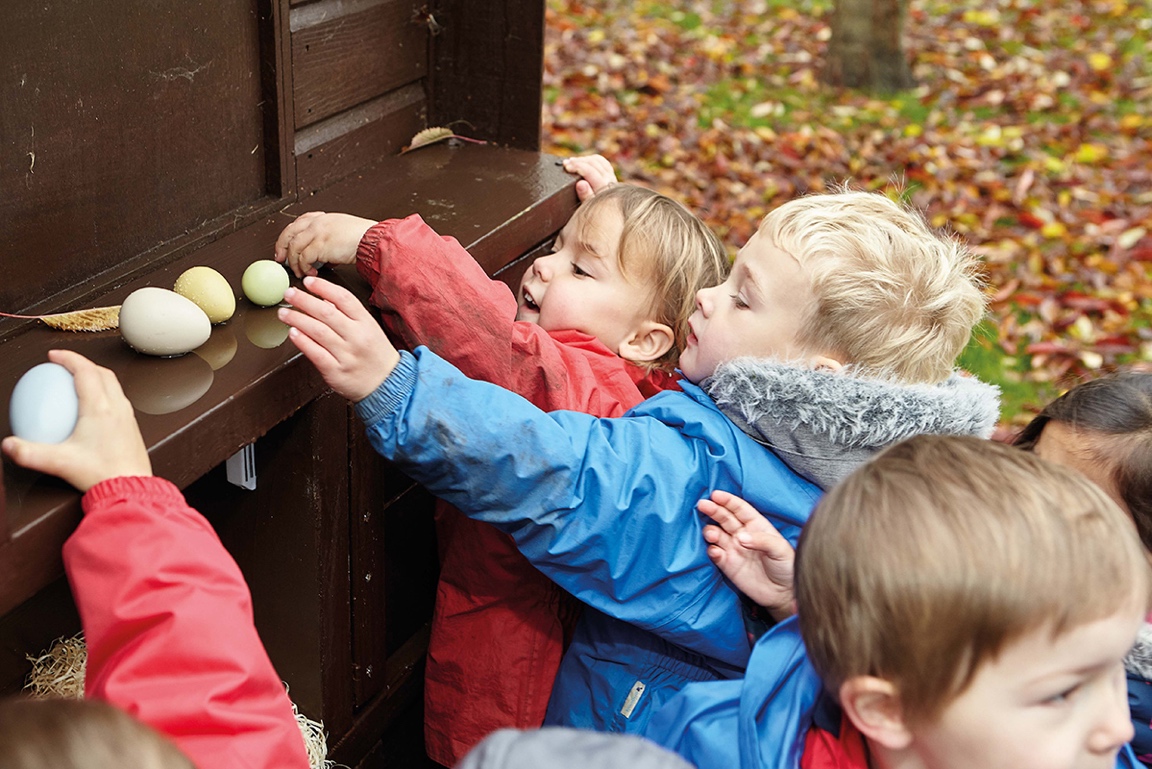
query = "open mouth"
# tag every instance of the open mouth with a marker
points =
(530, 303)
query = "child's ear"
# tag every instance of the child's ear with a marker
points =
(824, 363)
(874, 707)
(647, 342)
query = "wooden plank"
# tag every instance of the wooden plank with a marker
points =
(343, 59)
(120, 131)
(498, 202)
(342, 145)
(276, 85)
(488, 68)
(290, 538)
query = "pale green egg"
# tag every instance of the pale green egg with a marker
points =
(265, 282)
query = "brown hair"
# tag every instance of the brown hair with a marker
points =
(80, 734)
(892, 296)
(925, 562)
(667, 246)
(1114, 413)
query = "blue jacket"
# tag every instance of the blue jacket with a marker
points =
(606, 509)
(759, 722)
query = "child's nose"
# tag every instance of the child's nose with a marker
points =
(542, 267)
(1114, 727)
(704, 301)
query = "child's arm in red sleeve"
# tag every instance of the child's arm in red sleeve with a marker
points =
(168, 621)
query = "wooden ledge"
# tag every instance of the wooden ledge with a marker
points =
(197, 410)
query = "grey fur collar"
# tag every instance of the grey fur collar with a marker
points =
(1139, 660)
(824, 424)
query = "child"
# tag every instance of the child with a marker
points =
(596, 326)
(855, 309)
(165, 610)
(1103, 428)
(960, 604)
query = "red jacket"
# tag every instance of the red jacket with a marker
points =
(499, 626)
(168, 621)
(825, 750)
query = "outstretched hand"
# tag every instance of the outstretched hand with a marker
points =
(341, 338)
(750, 552)
(595, 171)
(317, 238)
(106, 442)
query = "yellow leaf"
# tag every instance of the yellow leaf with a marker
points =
(1092, 360)
(982, 18)
(1054, 165)
(1054, 230)
(1091, 153)
(1100, 62)
(596, 36)
(913, 130)
(1131, 121)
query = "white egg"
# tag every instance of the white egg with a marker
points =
(44, 407)
(156, 321)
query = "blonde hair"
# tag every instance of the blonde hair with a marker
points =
(80, 734)
(667, 247)
(891, 295)
(928, 560)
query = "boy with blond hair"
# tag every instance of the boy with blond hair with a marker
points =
(596, 326)
(782, 398)
(960, 604)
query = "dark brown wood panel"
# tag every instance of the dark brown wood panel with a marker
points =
(341, 59)
(290, 538)
(126, 123)
(342, 145)
(487, 69)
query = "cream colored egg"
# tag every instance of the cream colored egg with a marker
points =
(156, 321)
(209, 290)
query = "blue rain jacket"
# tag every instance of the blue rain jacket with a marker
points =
(761, 721)
(606, 509)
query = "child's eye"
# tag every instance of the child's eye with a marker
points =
(1062, 697)
(577, 271)
(739, 302)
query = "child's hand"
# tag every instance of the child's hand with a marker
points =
(596, 173)
(317, 238)
(750, 552)
(106, 442)
(340, 337)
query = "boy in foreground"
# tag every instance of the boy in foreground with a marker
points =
(834, 336)
(960, 604)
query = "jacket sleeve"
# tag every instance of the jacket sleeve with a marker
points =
(168, 621)
(604, 507)
(431, 292)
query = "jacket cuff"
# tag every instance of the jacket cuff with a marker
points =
(391, 393)
(135, 487)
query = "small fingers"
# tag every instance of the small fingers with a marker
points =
(343, 299)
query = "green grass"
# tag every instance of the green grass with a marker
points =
(986, 360)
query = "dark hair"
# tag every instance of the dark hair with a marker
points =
(80, 734)
(1117, 407)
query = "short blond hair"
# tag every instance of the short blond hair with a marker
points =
(667, 247)
(80, 734)
(892, 296)
(925, 562)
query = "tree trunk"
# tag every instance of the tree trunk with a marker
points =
(866, 49)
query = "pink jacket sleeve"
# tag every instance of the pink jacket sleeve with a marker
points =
(168, 621)
(432, 292)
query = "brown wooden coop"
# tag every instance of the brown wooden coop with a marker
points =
(140, 138)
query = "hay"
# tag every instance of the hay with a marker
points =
(59, 672)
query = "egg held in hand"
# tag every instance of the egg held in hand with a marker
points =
(209, 290)
(264, 282)
(156, 321)
(44, 407)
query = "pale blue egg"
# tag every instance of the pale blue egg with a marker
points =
(44, 407)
